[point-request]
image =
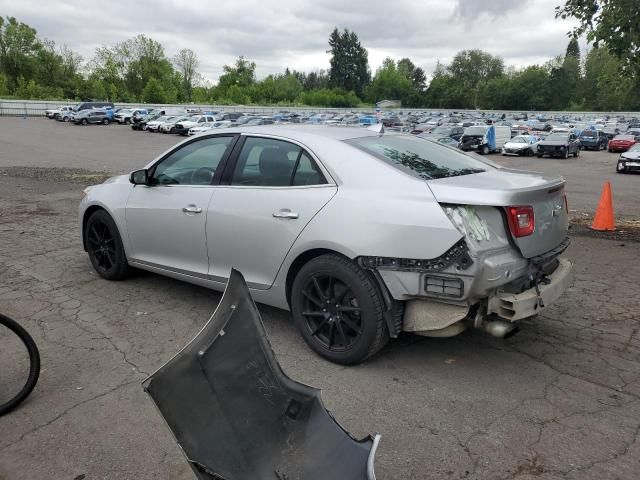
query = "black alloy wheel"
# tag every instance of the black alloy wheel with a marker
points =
(104, 246)
(339, 310)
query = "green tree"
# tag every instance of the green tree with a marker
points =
(389, 83)
(241, 74)
(153, 92)
(19, 47)
(187, 62)
(349, 64)
(614, 23)
(415, 74)
(473, 69)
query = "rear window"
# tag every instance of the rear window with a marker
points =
(419, 157)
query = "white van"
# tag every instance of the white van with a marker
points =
(476, 138)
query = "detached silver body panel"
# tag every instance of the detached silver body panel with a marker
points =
(236, 415)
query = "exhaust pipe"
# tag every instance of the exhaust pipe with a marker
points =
(500, 328)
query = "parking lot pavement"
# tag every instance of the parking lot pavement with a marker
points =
(560, 400)
(39, 142)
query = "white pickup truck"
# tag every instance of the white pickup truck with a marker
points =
(183, 127)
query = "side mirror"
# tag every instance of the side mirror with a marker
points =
(139, 177)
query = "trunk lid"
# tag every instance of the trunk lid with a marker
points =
(503, 188)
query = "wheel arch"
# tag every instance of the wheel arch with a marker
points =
(300, 261)
(85, 218)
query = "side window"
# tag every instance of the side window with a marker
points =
(307, 172)
(194, 164)
(265, 162)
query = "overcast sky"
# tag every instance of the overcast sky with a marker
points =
(280, 33)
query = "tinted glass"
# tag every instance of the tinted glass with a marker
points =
(265, 162)
(193, 164)
(419, 157)
(308, 172)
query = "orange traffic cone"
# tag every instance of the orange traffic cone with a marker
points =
(603, 220)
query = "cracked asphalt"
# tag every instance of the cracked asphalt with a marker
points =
(560, 400)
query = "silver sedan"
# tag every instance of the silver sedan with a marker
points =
(360, 234)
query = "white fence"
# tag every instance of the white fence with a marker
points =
(37, 108)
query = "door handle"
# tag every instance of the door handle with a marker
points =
(191, 209)
(285, 213)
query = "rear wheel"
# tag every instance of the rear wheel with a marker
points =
(105, 121)
(338, 310)
(65, 119)
(127, 121)
(104, 246)
(84, 121)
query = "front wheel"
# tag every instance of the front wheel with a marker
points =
(105, 121)
(485, 150)
(566, 154)
(338, 310)
(104, 245)
(84, 121)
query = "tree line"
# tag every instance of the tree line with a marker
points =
(139, 70)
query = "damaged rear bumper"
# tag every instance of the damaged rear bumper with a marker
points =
(236, 415)
(516, 306)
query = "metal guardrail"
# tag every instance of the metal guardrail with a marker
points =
(37, 108)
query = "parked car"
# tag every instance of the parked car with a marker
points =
(521, 145)
(629, 161)
(621, 143)
(479, 138)
(57, 111)
(205, 127)
(91, 105)
(95, 115)
(64, 115)
(445, 131)
(169, 126)
(153, 125)
(259, 121)
(460, 247)
(125, 115)
(140, 122)
(559, 145)
(182, 127)
(593, 140)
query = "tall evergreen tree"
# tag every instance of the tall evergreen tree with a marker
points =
(349, 64)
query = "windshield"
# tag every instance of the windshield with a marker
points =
(441, 131)
(519, 140)
(557, 137)
(635, 148)
(419, 157)
(475, 131)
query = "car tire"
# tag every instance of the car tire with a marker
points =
(566, 154)
(485, 150)
(65, 119)
(172, 130)
(576, 153)
(105, 121)
(530, 153)
(339, 310)
(538, 155)
(619, 170)
(104, 246)
(127, 121)
(84, 121)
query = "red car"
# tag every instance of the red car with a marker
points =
(621, 143)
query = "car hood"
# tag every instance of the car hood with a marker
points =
(631, 155)
(117, 179)
(235, 413)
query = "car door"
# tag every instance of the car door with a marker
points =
(166, 219)
(271, 190)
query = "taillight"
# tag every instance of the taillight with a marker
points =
(521, 221)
